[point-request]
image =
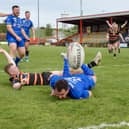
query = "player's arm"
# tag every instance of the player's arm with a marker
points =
(24, 34)
(108, 23)
(125, 23)
(53, 92)
(86, 94)
(79, 93)
(121, 37)
(9, 58)
(107, 36)
(9, 28)
(4, 14)
(53, 79)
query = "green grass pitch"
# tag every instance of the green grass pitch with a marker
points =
(34, 108)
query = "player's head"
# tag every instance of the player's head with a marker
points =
(11, 69)
(16, 10)
(27, 14)
(61, 89)
(114, 25)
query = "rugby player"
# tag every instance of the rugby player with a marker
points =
(114, 36)
(27, 25)
(83, 79)
(15, 32)
(76, 86)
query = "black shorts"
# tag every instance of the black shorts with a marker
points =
(113, 41)
(46, 78)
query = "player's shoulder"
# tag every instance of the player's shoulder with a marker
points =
(23, 19)
(30, 21)
(10, 16)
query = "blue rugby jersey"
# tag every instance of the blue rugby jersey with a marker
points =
(27, 25)
(79, 84)
(16, 23)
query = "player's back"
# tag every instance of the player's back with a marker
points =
(78, 84)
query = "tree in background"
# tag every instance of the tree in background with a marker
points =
(48, 30)
(71, 31)
(2, 28)
(2, 32)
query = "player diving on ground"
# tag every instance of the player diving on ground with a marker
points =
(19, 79)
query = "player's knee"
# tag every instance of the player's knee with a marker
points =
(13, 49)
(22, 55)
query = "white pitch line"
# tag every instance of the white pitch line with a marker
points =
(103, 125)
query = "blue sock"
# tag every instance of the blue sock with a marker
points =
(17, 60)
(87, 70)
(66, 71)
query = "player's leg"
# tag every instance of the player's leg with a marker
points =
(86, 70)
(118, 46)
(115, 47)
(96, 60)
(110, 50)
(21, 51)
(13, 50)
(66, 70)
(12, 43)
(26, 51)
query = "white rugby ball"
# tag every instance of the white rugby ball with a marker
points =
(75, 55)
(17, 85)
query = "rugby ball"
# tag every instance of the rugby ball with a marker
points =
(75, 55)
(17, 85)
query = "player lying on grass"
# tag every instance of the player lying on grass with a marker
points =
(18, 79)
(76, 86)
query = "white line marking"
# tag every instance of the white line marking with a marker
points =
(103, 125)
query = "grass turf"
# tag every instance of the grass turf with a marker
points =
(34, 108)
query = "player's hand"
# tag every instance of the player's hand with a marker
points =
(28, 39)
(126, 22)
(53, 93)
(23, 82)
(107, 21)
(123, 41)
(18, 38)
(34, 38)
(17, 86)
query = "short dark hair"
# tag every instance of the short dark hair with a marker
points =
(27, 11)
(6, 68)
(61, 84)
(15, 6)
